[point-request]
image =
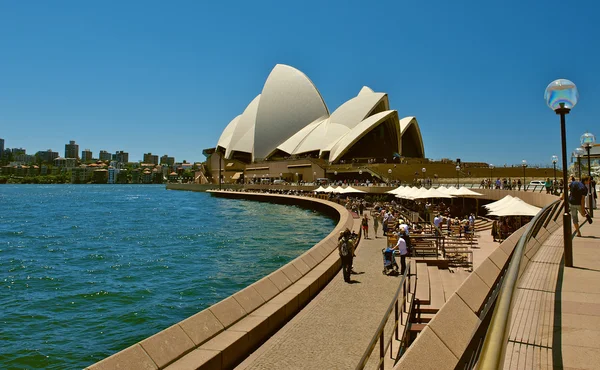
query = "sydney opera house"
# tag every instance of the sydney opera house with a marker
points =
(289, 121)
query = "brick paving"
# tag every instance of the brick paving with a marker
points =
(335, 328)
(556, 320)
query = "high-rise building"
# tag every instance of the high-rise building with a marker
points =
(105, 156)
(165, 159)
(150, 158)
(47, 156)
(72, 150)
(86, 155)
(1, 148)
(121, 157)
(17, 151)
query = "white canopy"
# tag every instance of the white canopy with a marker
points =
(319, 189)
(349, 189)
(435, 193)
(464, 192)
(395, 191)
(499, 203)
(412, 193)
(515, 207)
(329, 189)
(443, 189)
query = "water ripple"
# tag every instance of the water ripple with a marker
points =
(86, 271)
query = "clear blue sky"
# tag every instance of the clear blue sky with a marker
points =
(167, 77)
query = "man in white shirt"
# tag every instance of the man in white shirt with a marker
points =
(401, 247)
(402, 225)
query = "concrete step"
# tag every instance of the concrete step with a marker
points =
(436, 289)
(423, 291)
(424, 318)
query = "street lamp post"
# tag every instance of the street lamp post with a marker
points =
(587, 141)
(314, 177)
(458, 176)
(491, 177)
(578, 153)
(524, 164)
(423, 170)
(554, 160)
(561, 96)
(390, 175)
(297, 179)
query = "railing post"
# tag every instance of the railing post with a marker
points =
(396, 313)
(381, 351)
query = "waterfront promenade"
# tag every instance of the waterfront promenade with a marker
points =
(556, 316)
(334, 330)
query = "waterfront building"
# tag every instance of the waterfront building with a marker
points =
(165, 159)
(121, 157)
(72, 150)
(67, 163)
(100, 176)
(147, 176)
(105, 156)
(150, 158)
(24, 158)
(112, 174)
(86, 155)
(288, 123)
(47, 156)
(135, 176)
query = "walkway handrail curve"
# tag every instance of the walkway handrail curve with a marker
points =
(496, 338)
(379, 333)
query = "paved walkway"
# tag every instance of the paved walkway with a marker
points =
(556, 317)
(335, 328)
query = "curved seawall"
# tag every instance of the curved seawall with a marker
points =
(223, 334)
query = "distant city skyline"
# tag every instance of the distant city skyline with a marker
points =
(167, 78)
(96, 154)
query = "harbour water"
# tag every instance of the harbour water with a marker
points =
(86, 270)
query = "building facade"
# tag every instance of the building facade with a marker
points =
(86, 155)
(150, 158)
(166, 160)
(121, 157)
(72, 150)
(105, 156)
(47, 156)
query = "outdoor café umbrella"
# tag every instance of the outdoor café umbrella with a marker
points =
(498, 204)
(434, 193)
(516, 207)
(329, 189)
(350, 189)
(320, 189)
(464, 192)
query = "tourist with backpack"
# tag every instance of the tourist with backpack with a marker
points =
(345, 251)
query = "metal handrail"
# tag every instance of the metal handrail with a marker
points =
(379, 334)
(496, 338)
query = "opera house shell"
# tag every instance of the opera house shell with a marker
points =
(290, 119)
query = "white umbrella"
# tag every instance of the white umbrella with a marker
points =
(434, 193)
(492, 206)
(395, 191)
(464, 192)
(329, 189)
(350, 189)
(319, 189)
(516, 207)
(443, 189)
(414, 193)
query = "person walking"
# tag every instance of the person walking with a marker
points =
(375, 223)
(577, 193)
(365, 226)
(401, 247)
(345, 251)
